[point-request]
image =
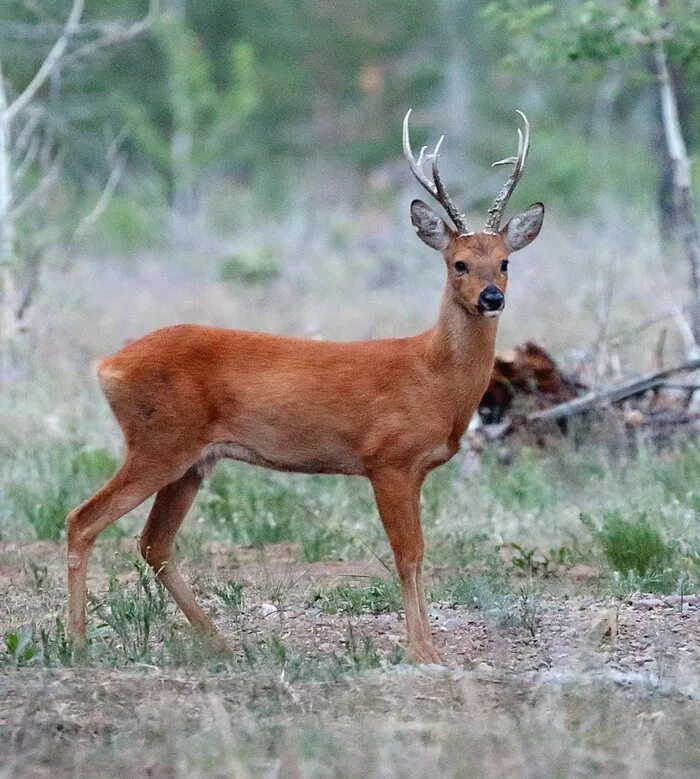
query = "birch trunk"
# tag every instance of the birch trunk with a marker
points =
(7, 233)
(686, 223)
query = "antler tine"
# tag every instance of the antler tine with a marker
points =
(435, 187)
(493, 223)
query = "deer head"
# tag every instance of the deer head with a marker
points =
(477, 262)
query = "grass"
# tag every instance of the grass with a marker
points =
(134, 616)
(378, 597)
(230, 593)
(276, 704)
(531, 507)
(255, 508)
(636, 550)
(54, 481)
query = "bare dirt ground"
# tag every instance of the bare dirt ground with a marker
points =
(142, 719)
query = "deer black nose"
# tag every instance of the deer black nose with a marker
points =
(491, 299)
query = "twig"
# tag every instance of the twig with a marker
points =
(115, 33)
(30, 287)
(374, 554)
(40, 188)
(103, 201)
(27, 160)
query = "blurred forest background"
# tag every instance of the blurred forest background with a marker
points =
(240, 163)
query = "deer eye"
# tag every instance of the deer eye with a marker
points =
(461, 267)
(504, 266)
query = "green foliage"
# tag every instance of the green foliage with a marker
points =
(462, 548)
(136, 614)
(54, 481)
(131, 222)
(254, 507)
(378, 597)
(250, 267)
(322, 543)
(594, 30)
(49, 647)
(230, 593)
(533, 561)
(361, 64)
(633, 546)
(361, 654)
(20, 648)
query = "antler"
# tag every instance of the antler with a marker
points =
(435, 187)
(493, 223)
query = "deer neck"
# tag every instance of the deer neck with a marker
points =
(462, 347)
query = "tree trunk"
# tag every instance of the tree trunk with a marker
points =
(182, 198)
(684, 223)
(7, 234)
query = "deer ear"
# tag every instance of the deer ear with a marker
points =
(523, 228)
(430, 227)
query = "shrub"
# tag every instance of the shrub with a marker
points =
(323, 543)
(633, 546)
(253, 267)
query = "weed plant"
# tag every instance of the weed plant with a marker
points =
(637, 552)
(378, 597)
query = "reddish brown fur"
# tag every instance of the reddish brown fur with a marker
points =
(390, 410)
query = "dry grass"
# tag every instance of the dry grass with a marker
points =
(315, 694)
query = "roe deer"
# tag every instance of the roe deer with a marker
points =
(390, 410)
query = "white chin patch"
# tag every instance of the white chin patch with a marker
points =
(493, 314)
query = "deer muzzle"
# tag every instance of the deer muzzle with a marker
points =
(491, 301)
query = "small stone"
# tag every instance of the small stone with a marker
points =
(604, 625)
(451, 624)
(267, 609)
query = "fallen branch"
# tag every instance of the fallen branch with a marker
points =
(594, 400)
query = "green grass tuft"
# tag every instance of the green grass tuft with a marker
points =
(378, 597)
(134, 617)
(230, 593)
(635, 549)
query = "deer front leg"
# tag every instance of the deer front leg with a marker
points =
(398, 500)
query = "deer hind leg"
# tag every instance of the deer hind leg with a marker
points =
(134, 482)
(398, 501)
(169, 510)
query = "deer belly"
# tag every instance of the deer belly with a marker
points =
(279, 454)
